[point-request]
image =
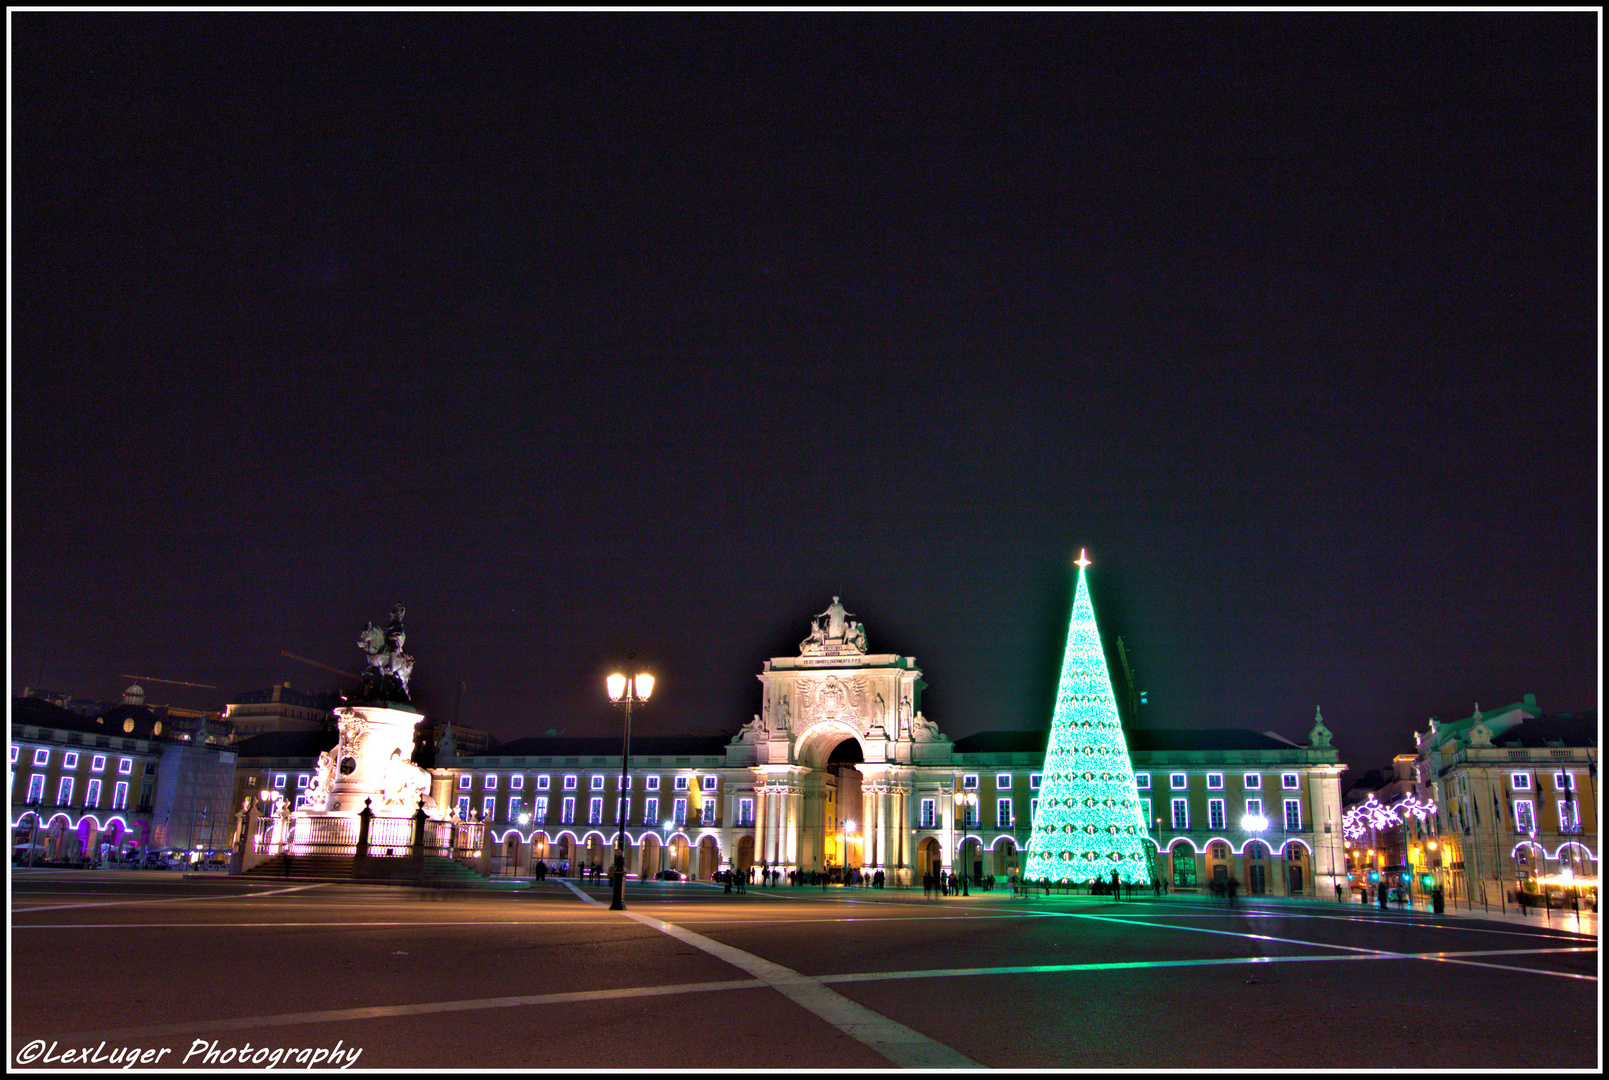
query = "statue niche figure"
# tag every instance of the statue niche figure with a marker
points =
(386, 677)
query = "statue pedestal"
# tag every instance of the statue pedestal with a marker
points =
(370, 735)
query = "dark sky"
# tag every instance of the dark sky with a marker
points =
(583, 334)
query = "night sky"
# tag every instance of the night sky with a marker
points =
(583, 334)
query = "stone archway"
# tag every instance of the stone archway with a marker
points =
(709, 858)
(743, 857)
(929, 856)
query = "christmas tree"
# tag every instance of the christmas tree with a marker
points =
(1088, 820)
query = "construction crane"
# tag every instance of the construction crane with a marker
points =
(169, 682)
(326, 667)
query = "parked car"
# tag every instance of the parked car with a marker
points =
(668, 875)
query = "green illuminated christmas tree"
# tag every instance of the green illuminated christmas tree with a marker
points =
(1088, 821)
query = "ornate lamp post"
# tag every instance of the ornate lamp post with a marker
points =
(624, 691)
(966, 799)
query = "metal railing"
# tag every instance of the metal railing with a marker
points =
(388, 837)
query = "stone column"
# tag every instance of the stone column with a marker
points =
(795, 799)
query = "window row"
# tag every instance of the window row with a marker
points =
(595, 782)
(1562, 781)
(1218, 818)
(69, 760)
(64, 792)
(536, 813)
(1215, 781)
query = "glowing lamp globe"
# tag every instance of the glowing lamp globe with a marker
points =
(645, 686)
(617, 686)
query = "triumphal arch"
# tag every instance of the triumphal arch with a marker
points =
(837, 692)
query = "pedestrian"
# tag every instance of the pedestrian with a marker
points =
(1337, 892)
(726, 880)
(1045, 882)
(927, 886)
(1117, 886)
(1233, 887)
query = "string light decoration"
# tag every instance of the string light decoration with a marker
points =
(1088, 821)
(1375, 816)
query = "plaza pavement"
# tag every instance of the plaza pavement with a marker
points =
(689, 978)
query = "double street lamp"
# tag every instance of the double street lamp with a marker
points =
(624, 691)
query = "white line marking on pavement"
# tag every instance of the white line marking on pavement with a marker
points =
(901, 1045)
(174, 900)
(364, 924)
(1383, 953)
(381, 1012)
(1130, 965)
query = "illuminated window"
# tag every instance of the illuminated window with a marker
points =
(1033, 808)
(125, 766)
(541, 783)
(1145, 813)
(708, 782)
(706, 815)
(488, 808)
(597, 783)
(1178, 781)
(36, 788)
(1293, 815)
(516, 783)
(463, 808)
(1215, 813)
(1569, 818)
(680, 812)
(69, 760)
(650, 811)
(567, 811)
(120, 795)
(652, 782)
(1181, 813)
(279, 782)
(1184, 865)
(464, 781)
(489, 782)
(1254, 806)
(1033, 781)
(301, 781)
(1215, 781)
(628, 783)
(64, 791)
(1289, 781)
(569, 783)
(930, 814)
(681, 783)
(745, 812)
(42, 757)
(1002, 814)
(969, 782)
(1562, 781)
(92, 794)
(1142, 781)
(1254, 781)
(15, 750)
(540, 812)
(622, 808)
(1002, 782)
(1521, 781)
(1524, 816)
(514, 808)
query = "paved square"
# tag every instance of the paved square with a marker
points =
(692, 978)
